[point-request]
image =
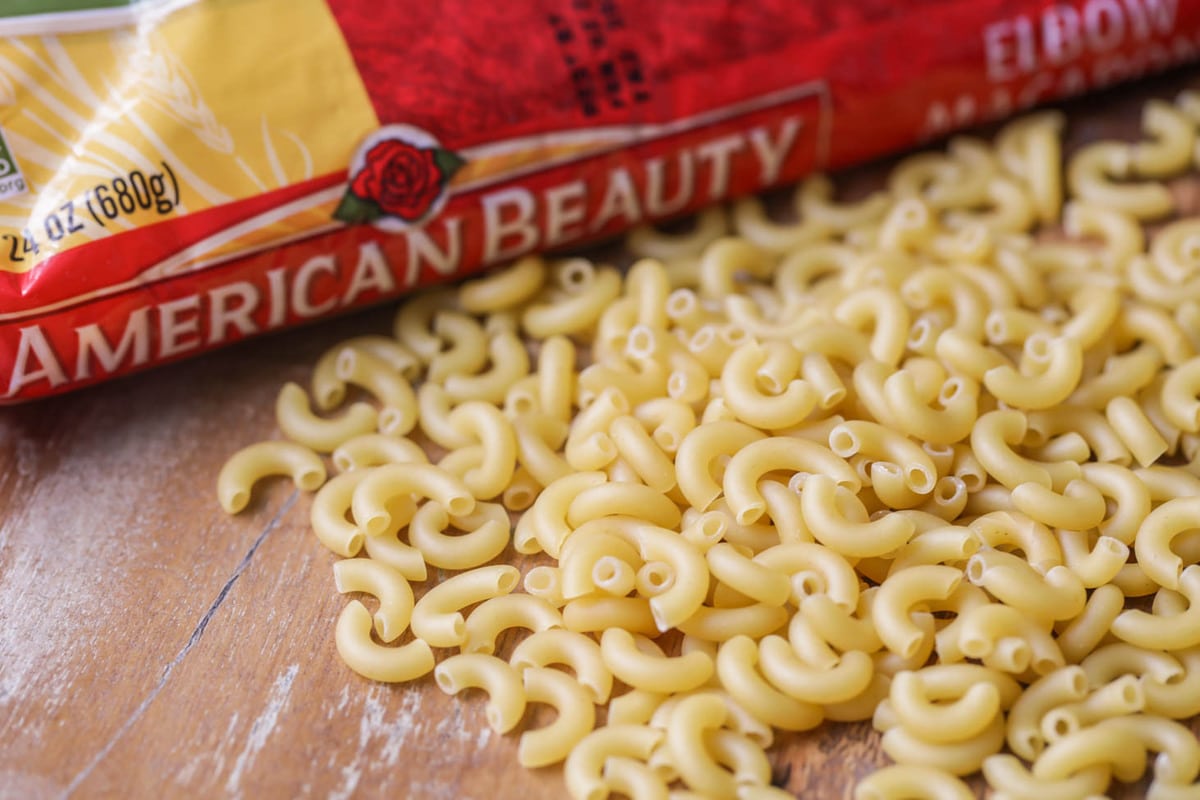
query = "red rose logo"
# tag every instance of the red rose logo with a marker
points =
(397, 178)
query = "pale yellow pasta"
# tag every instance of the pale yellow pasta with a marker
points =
(957, 758)
(686, 738)
(322, 434)
(723, 258)
(374, 449)
(1011, 780)
(953, 719)
(384, 583)
(719, 624)
(1064, 685)
(736, 569)
(505, 288)
(588, 443)
(683, 597)
(754, 460)
(647, 458)
(1005, 639)
(1172, 141)
(463, 348)
(521, 492)
(751, 222)
(1119, 658)
(1156, 326)
(329, 390)
(736, 662)
(413, 320)
(537, 437)
(328, 514)
(878, 442)
(545, 582)
(911, 782)
(913, 415)
(579, 652)
(1116, 746)
(1177, 699)
(498, 614)
(363, 368)
(753, 406)
(642, 665)
(599, 613)
(1123, 239)
(1119, 697)
(546, 519)
(992, 439)
(556, 377)
(838, 520)
(509, 363)
(1060, 368)
(1094, 564)
(388, 549)
(699, 449)
(1179, 391)
(376, 661)
(814, 200)
(618, 498)
(1152, 545)
(485, 535)
(1090, 174)
(648, 242)
(437, 617)
(1079, 506)
(814, 569)
(884, 314)
(635, 707)
(903, 460)
(634, 779)
(907, 226)
(502, 683)
(582, 770)
(252, 463)
(378, 488)
(573, 312)
(902, 594)
(848, 677)
(1173, 632)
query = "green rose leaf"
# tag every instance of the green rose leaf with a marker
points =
(448, 162)
(354, 209)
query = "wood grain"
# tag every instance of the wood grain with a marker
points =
(152, 646)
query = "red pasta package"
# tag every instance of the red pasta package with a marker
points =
(180, 174)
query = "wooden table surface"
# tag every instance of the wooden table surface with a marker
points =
(151, 645)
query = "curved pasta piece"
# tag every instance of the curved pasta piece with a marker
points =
(322, 434)
(252, 463)
(585, 762)
(642, 665)
(375, 661)
(370, 504)
(363, 368)
(911, 781)
(497, 614)
(386, 584)
(838, 520)
(437, 617)
(506, 696)
(750, 463)
(579, 652)
(697, 452)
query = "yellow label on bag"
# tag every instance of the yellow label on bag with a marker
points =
(114, 129)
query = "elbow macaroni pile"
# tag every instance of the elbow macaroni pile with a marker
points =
(900, 461)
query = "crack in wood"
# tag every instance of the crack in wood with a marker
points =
(197, 632)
